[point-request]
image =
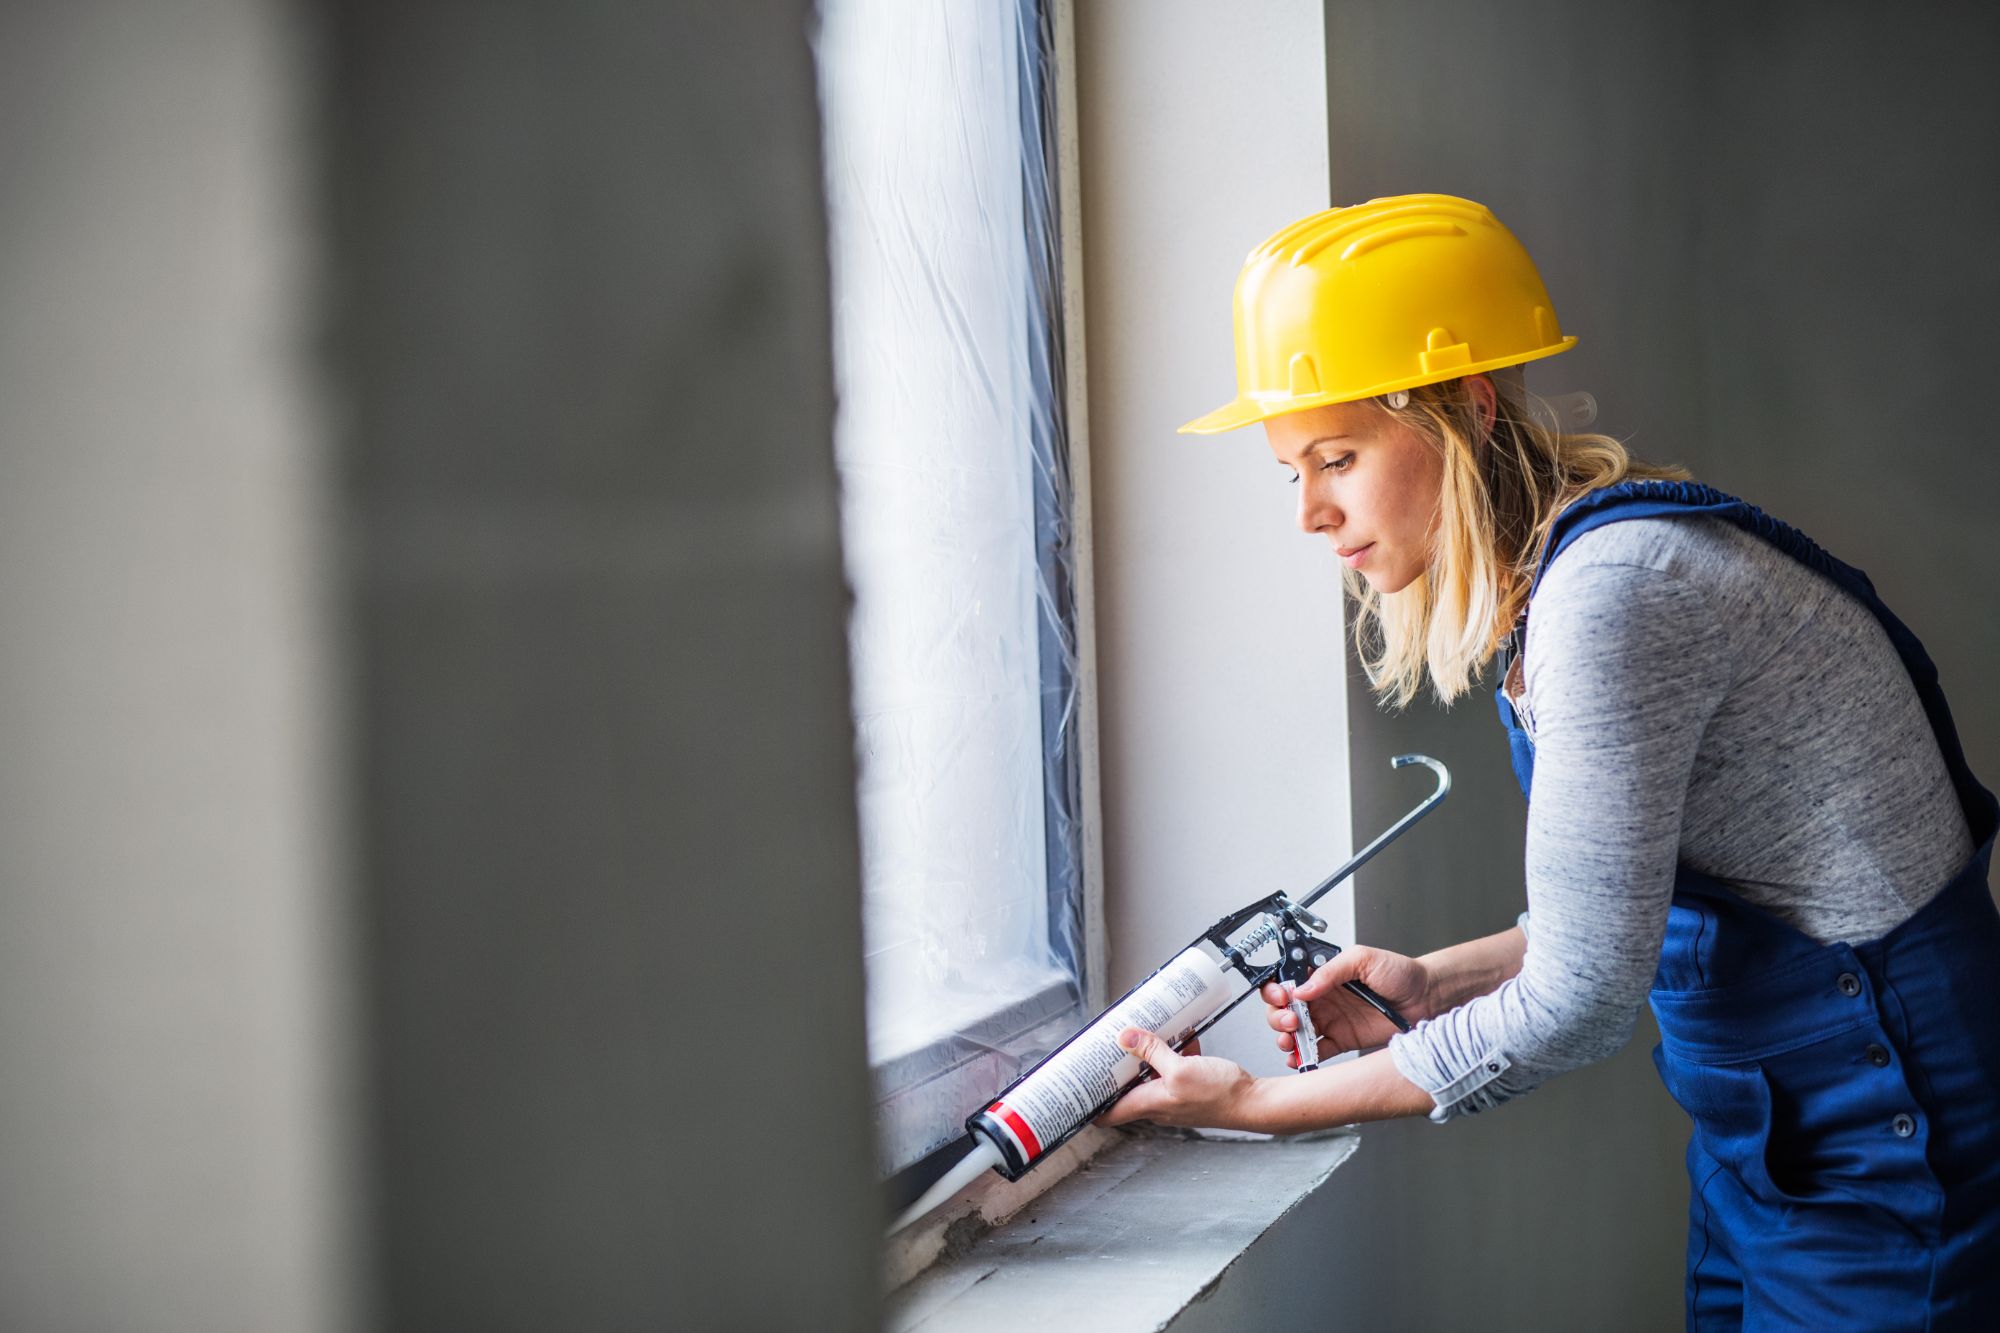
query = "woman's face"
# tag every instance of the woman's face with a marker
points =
(1367, 482)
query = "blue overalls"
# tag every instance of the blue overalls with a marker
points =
(1844, 1169)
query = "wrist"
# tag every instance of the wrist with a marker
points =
(1442, 982)
(1463, 972)
(1250, 1109)
(1369, 1087)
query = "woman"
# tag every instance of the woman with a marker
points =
(1746, 795)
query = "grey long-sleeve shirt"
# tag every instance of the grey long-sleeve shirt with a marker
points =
(1695, 696)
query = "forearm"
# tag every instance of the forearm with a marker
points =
(1616, 738)
(1366, 1088)
(1477, 967)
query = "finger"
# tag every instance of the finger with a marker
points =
(1274, 994)
(1283, 1020)
(1148, 1047)
(1141, 1101)
(1287, 1042)
(1342, 968)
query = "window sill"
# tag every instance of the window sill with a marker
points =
(1127, 1241)
(922, 1094)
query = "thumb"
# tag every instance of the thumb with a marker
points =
(1340, 969)
(1148, 1047)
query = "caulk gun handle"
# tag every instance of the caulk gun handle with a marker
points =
(1380, 1005)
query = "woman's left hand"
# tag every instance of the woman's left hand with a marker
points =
(1193, 1090)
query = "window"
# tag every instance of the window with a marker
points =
(956, 522)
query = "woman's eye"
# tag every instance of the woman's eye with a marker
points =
(1291, 479)
(1340, 464)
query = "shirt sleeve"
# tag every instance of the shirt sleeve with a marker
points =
(1626, 665)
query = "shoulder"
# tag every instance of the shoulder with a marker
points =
(1617, 592)
(1608, 569)
(1663, 582)
(1626, 615)
(1683, 546)
(1737, 572)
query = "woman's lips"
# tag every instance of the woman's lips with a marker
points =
(1354, 555)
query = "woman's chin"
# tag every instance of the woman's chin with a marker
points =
(1386, 583)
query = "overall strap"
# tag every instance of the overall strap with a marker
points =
(1677, 499)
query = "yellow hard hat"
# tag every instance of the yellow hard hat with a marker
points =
(1386, 295)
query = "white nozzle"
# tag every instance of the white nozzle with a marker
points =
(983, 1156)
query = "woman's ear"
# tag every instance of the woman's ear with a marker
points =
(1485, 398)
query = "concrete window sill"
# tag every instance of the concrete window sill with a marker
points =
(1132, 1238)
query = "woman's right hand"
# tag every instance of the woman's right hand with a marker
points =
(1345, 1021)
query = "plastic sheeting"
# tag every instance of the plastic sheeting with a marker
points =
(955, 521)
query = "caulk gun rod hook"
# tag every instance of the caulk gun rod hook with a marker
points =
(1395, 830)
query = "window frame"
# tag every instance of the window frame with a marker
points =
(923, 1095)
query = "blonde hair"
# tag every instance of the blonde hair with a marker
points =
(1502, 488)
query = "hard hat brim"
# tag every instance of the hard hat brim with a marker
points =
(1243, 412)
(1230, 416)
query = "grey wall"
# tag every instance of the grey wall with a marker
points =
(1770, 226)
(604, 767)
(171, 1108)
(428, 790)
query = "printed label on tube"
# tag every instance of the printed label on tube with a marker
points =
(1083, 1075)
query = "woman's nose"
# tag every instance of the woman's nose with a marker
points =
(1316, 512)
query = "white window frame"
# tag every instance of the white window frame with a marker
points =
(1202, 129)
(925, 1094)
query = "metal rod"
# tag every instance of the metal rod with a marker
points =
(1395, 830)
(1361, 858)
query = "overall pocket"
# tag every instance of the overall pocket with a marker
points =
(1731, 1109)
(1823, 1127)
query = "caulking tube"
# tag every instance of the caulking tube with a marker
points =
(1034, 1114)
(1039, 1111)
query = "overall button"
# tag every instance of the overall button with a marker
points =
(1877, 1055)
(1849, 984)
(1904, 1126)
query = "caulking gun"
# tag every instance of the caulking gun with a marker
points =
(1271, 939)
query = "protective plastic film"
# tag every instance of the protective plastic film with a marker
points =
(956, 526)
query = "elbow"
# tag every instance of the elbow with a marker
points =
(1611, 1037)
(1579, 1025)
(1589, 1032)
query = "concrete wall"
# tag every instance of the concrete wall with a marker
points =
(1221, 722)
(418, 521)
(170, 1047)
(1766, 224)
(604, 773)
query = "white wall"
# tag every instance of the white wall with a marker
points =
(170, 1100)
(1223, 719)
